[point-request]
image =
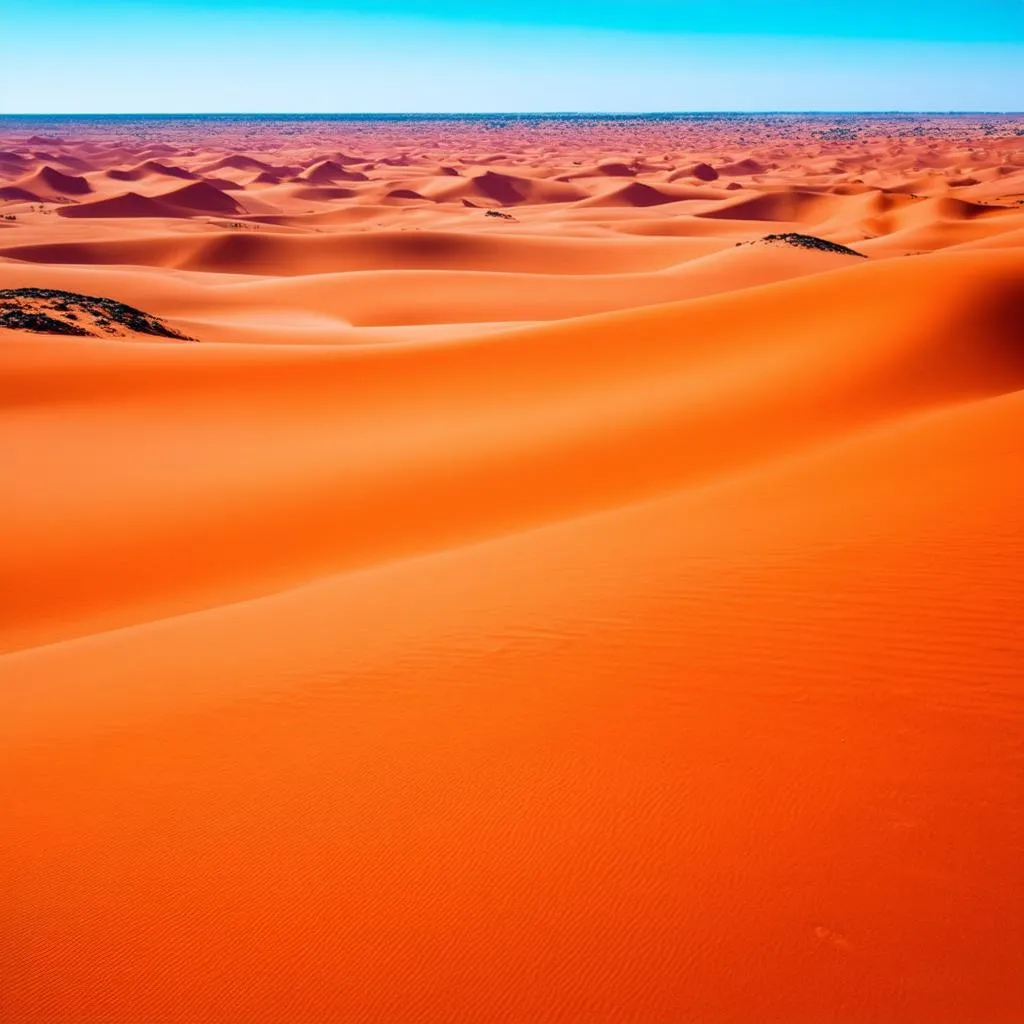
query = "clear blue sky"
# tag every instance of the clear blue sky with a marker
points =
(170, 56)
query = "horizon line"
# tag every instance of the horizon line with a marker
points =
(503, 113)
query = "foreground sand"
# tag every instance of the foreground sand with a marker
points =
(577, 617)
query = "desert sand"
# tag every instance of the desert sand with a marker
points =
(545, 572)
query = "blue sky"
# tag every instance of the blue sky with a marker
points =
(463, 55)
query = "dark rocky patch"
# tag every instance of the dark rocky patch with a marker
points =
(812, 242)
(50, 311)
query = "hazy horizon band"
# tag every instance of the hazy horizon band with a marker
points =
(484, 115)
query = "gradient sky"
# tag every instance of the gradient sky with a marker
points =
(174, 56)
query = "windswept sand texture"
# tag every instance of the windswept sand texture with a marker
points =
(574, 615)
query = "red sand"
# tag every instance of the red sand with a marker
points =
(578, 617)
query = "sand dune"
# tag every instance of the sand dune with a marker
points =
(425, 296)
(505, 189)
(638, 193)
(14, 194)
(236, 161)
(606, 168)
(201, 197)
(791, 206)
(51, 182)
(846, 385)
(701, 171)
(288, 254)
(740, 168)
(327, 172)
(151, 168)
(129, 204)
(528, 600)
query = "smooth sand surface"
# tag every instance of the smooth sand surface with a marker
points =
(593, 613)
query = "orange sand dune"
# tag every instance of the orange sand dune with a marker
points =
(128, 204)
(201, 197)
(607, 168)
(424, 296)
(523, 598)
(791, 205)
(290, 254)
(638, 193)
(15, 194)
(150, 168)
(327, 172)
(505, 189)
(639, 375)
(48, 181)
(236, 161)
